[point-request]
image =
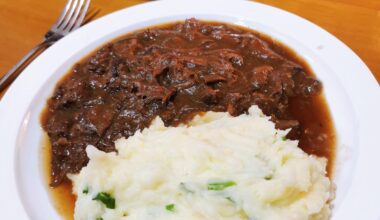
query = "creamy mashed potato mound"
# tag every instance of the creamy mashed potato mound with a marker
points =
(216, 167)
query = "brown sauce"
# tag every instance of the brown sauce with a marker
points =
(62, 197)
(273, 77)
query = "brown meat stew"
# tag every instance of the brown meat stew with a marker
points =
(176, 71)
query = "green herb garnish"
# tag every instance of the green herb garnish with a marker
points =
(170, 207)
(106, 199)
(230, 199)
(220, 185)
(268, 177)
(100, 218)
(283, 138)
(85, 190)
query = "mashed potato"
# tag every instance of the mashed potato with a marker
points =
(216, 167)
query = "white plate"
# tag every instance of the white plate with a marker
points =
(351, 91)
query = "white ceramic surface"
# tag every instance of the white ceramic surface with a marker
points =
(351, 91)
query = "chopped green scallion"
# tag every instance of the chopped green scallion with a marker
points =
(268, 177)
(230, 199)
(220, 185)
(106, 199)
(170, 207)
(85, 190)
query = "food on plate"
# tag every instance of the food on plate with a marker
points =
(176, 72)
(216, 167)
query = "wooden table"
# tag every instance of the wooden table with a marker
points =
(356, 23)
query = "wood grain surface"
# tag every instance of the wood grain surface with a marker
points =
(357, 23)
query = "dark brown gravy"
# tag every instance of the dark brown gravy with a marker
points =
(312, 112)
(61, 196)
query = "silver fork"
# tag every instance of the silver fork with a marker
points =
(70, 19)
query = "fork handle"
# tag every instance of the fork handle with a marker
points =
(12, 74)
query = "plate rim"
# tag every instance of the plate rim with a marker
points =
(365, 79)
